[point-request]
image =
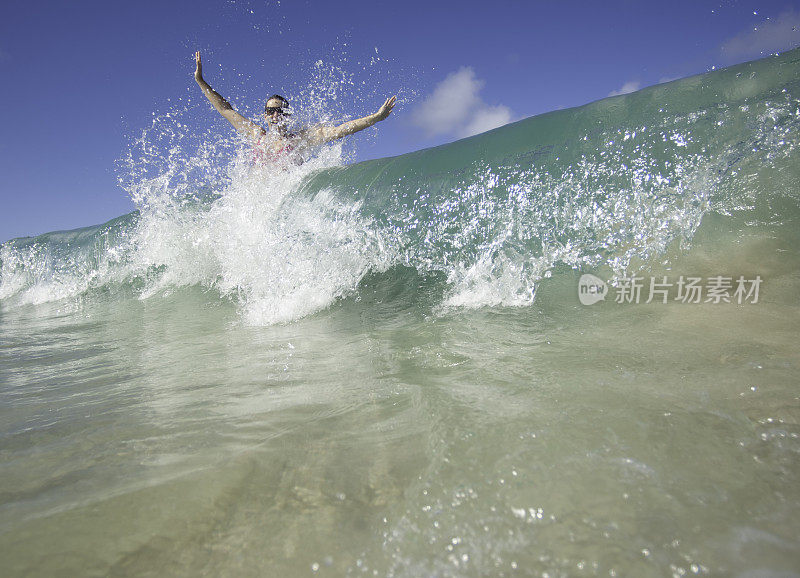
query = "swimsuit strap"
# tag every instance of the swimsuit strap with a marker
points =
(260, 154)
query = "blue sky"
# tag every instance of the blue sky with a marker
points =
(81, 79)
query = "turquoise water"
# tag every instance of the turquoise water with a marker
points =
(385, 368)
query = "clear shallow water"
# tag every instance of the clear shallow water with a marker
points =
(156, 421)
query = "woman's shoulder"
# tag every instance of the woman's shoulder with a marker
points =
(312, 135)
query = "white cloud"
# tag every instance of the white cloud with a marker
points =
(455, 107)
(630, 86)
(770, 36)
(486, 118)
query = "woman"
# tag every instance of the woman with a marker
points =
(280, 141)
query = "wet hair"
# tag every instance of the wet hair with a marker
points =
(284, 102)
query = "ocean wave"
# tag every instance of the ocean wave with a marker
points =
(609, 185)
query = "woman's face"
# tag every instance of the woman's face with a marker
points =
(274, 113)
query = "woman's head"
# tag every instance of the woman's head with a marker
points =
(275, 109)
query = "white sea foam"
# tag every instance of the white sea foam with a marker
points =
(279, 255)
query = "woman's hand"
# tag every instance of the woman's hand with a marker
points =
(198, 73)
(385, 110)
